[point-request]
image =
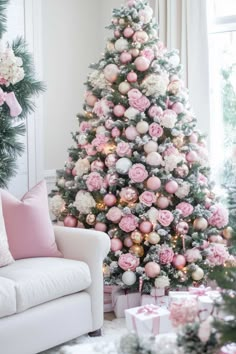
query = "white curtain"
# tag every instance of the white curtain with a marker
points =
(183, 25)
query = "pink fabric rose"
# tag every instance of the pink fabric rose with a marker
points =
(141, 104)
(94, 181)
(202, 180)
(84, 126)
(128, 223)
(155, 130)
(183, 312)
(147, 198)
(100, 141)
(102, 107)
(138, 173)
(165, 217)
(128, 262)
(217, 254)
(219, 217)
(114, 215)
(148, 53)
(123, 149)
(193, 255)
(155, 111)
(134, 94)
(166, 255)
(90, 150)
(185, 208)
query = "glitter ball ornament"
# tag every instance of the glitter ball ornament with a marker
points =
(119, 110)
(111, 179)
(109, 124)
(110, 199)
(153, 183)
(182, 228)
(153, 238)
(70, 221)
(151, 146)
(145, 227)
(111, 160)
(136, 236)
(111, 72)
(142, 127)
(179, 261)
(125, 57)
(152, 269)
(200, 224)
(116, 244)
(141, 64)
(123, 165)
(129, 278)
(128, 242)
(154, 159)
(171, 187)
(128, 32)
(162, 202)
(100, 226)
(124, 87)
(91, 219)
(129, 195)
(121, 45)
(131, 133)
(137, 250)
(132, 77)
(198, 274)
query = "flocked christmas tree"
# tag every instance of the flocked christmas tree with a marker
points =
(139, 168)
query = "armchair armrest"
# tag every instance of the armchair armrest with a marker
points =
(91, 247)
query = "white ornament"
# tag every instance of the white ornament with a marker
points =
(198, 274)
(123, 165)
(124, 87)
(151, 146)
(129, 278)
(161, 282)
(121, 44)
(142, 127)
(154, 159)
(131, 113)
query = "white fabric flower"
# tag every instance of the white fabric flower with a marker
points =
(145, 15)
(172, 161)
(183, 190)
(131, 113)
(56, 204)
(82, 166)
(162, 282)
(11, 70)
(84, 202)
(155, 84)
(168, 119)
(97, 79)
(82, 139)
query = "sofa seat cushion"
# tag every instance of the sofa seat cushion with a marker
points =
(7, 297)
(39, 280)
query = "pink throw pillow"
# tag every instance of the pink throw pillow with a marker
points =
(28, 225)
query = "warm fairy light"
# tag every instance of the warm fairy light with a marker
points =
(109, 148)
(88, 114)
(100, 206)
(184, 270)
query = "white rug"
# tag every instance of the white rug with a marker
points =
(106, 344)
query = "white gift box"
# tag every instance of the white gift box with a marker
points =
(149, 319)
(122, 300)
(108, 291)
(162, 301)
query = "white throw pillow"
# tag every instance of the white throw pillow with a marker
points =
(5, 255)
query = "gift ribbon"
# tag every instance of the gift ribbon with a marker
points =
(148, 310)
(11, 100)
(200, 291)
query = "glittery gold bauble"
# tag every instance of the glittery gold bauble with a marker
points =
(137, 250)
(100, 206)
(136, 236)
(91, 219)
(178, 141)
(200, 224)
(227, 233)
(153, 238)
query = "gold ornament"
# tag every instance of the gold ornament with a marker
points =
(178, 141)
(91, 219)
(227, 233)
(153, 238)
(101, 206)
(200, 224)
(137, 250)
(136, 236)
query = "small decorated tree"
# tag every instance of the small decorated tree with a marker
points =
(139, 168)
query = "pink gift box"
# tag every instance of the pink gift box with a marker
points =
(162, 301)
(122, 300)
(148, 319)
(107, 302)
(110, 288)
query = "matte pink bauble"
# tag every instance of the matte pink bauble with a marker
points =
(97, 165)
(146, 227)
(171, 187)
(179, 261)
(100, 226)
(68, 171)
(140, 36)
(178, 107)
(125, 57)
(115, 132)
(132, 76)
(110, 199)
(70, 221)
(111, 72)
(109, 123)
(119, 110)
(91, 100)
(162, 202)
(111, 160)
(116, 244)
(151, 146)
(134, 52)
(117, 34)
(128, 242)
(112, 179)
(153, 183)
(74, 172)
(191, 156)
(193, 138)
(152, 269)
(182, 228)
(131, 133)
(128, 32)
(142, 64)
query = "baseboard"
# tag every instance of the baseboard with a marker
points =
(50, 177)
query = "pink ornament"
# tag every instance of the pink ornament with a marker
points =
(125, 57)
(171, 187)
(68, 171)
(151, 146)
(110, 199)
(205, 244)
(111, 179)
(153, 183)
(162, 202)
(128, 242)
(179, 261)
(97, 165)
(152, 269)
(178, 107)
(131, 133)
(74, 172)
(140, 36)
(100, 226)
(115, 132)
(191, 156)
(70, 221)
(111, 72)
(91, 99)
(182, 228)
(109, 123)
(117, 34)
(146, 227)
(132, 76)
(193, 138)
(116, 244)
(111, 160)
(142, 64)
(128, 32)
(119, 110)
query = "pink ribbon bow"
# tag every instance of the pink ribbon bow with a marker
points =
(11, 100)
(200, 291)
(148, 310)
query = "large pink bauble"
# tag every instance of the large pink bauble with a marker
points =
(97, 165)
(115, 132)
(116, 244)
(154, 159)
(178, 107)
(142, 64)
(153, 183)
(128, 242)
(193, 138)
(152, 269)
(124, 87)
(125, 57)
(111, 72)
(110, 199)
(191, 156)
(109, 123)
(162, 202)
(145, 227)
(151, 146)
(70, 221)
(134, 52)
(182, 228)
(179, 261)
(171, 187)
(119, 110)
(91, 100)
(111, 160)
(129, 194)
(112, 179)
(140, 36)
(128, 32)
(132, 77)
(100, 226)
(117, 33)
(131, 133)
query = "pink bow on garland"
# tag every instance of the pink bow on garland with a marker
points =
(200, 291)
(11, 100)
(148, 310)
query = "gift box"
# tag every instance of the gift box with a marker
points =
(122, 300)
(108, 302)
(155, 298)
(148, 319)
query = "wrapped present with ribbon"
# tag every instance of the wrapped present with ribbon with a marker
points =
(124, 299)
(157, 297)
(148, 320)
(108, 291)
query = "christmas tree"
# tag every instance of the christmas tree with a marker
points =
(17, 86)
(139, 168)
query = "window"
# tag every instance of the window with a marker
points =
(222, 57)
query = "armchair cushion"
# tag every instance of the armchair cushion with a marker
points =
(5, 255)
(7, 297)
(39, 280)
